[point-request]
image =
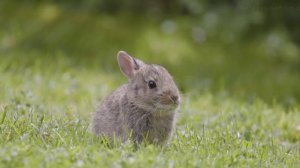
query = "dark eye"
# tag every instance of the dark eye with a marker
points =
(151, 84)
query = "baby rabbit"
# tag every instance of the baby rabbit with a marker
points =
(142, 109)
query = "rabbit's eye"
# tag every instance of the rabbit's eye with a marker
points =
(151, 84)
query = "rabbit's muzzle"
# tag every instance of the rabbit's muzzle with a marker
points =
(169, 98)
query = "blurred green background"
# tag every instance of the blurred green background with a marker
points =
(237, 48)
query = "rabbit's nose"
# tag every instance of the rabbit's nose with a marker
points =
(175, 99)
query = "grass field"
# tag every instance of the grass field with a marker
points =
(237, 111)
(46, 110)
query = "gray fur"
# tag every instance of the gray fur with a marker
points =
(134, 110)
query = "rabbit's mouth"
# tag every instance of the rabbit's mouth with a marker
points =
(170, 100)
(167, 105)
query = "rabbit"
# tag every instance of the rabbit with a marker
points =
(143, 109)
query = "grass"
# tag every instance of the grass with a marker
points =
(46, 111)
(55, 70)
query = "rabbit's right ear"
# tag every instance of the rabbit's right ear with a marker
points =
(128, 64)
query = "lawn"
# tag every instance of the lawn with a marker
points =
(235, 112)
(46, 111)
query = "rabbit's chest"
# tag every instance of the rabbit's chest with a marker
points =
(155, 129)
(160, 128)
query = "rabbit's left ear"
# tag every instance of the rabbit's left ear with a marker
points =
(128, 64)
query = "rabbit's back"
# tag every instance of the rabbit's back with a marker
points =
(109, 119)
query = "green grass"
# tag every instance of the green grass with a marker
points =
(46, 111)
(240, 103)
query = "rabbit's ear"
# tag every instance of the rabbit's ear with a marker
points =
(128, 64)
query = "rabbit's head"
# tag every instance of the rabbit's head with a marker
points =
(150, 86)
